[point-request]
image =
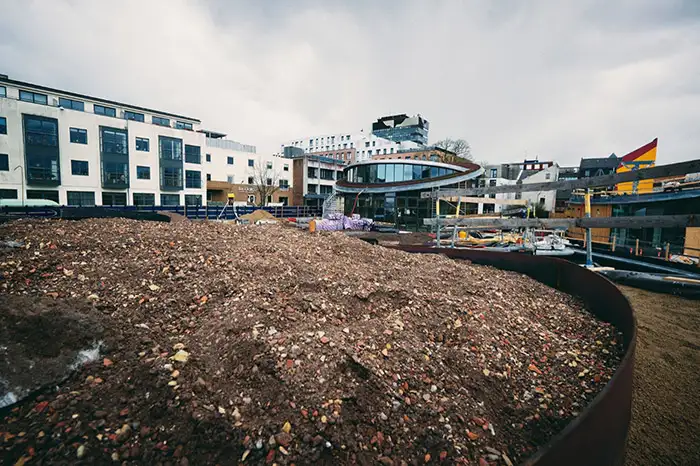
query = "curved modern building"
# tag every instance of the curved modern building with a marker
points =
(391, 190)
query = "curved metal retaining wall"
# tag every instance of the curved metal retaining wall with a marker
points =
(598, 436)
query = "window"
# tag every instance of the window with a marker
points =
(311, 172)
(3, 91)
(492, 182)
(114, 141)
(542, 201)
(251, 180)
(143, 173)
(286, 167)
(169, 199)
(369, 152)
(392, 151)
(384, 152)
(326, 174)
(208, 157)
(33, 97)
(251, 162)
(229, 179)
(79, 167)
(170, 148)
(171, 178)
(142, 144)
(251, 199)
(193, 179)
(269, 165)
(3, 125)
(41, 194)
(72, 105)
(193, 199)
(208, 176)
(367, 144)
(311, 189)
(183, 125)
(268, 182)
(4, 162)
(374, 143)
(229, 160)
(8, 194)
(160, 121)
(144, 199)
(107, 111)
(494, 173)
(547, 176)
(193, 154)
(284, 184)
(81, 198)
(133, 116)
(78, 135)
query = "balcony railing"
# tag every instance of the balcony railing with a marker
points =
(171, 182)
(42, 175)
(114, 180)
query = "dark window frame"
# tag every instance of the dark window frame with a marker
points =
(144, 199)
(183, 125)
(78, 135)
(208, 157)
(160, 121)
(44, 99)
(82, 201)
(104, 110)
(229, 160)
(192, 181)
(140, 170)
(3, 125)
(251, 162)
(4, 162)
(134, 116)
(71, 104)
(79, 168)
(142, 140)
(169, 196)
(193, 154)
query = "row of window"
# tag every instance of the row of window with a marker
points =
(325, 173)
(319, 189)
(43, 99)
(393, 173)
(87, 198)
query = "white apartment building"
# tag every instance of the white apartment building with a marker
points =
(349, 147)
(494, 176)
(76, 149)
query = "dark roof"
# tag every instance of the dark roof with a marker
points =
(601, 162)
(525, 173)
(5, 79)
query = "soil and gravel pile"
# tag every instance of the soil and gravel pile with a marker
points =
(259, 215)
(231, 344)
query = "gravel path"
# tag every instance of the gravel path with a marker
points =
(666, 408)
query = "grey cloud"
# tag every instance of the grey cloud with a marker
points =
(561, 80)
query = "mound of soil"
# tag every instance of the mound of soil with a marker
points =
(260, 345)
(258, 215)
(41, 341)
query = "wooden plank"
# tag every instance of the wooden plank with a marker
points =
(673, 169)
(683, 279)
(484, 200)
(649, 221)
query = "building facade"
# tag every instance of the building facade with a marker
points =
(314, 179)
(396, 191)
(80, 150)
(402, 128)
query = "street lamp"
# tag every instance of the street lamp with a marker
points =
(21, 194)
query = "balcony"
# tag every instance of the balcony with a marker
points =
(43, 176)
(171, 182)
(115, 179)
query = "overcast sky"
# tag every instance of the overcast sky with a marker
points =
(556, 79)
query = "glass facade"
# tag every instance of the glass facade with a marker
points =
(171, 171)
(377, 173)
(114, 152)
(41, 150)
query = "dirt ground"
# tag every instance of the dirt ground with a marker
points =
(665, 426)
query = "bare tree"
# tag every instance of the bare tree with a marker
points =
(265, 181)
(458, 146)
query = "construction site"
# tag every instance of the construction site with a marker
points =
(264, 339)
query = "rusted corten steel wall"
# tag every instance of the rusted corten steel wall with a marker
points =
(598, 436)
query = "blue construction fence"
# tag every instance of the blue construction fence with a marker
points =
(151, 212)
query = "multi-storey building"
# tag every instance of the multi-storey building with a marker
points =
(76, 149)
(400, 128)
(314, 178)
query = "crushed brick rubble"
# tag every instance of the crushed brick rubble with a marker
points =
(227, 344)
